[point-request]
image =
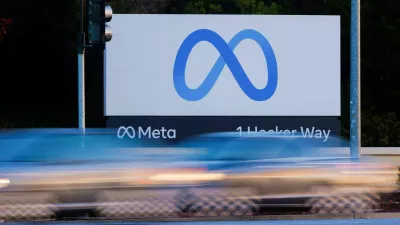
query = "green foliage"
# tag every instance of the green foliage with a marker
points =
(231, 7)
(380, 129)
(139, 6)
(5, 125)
(195, 6)
(4, 23)
(398, 176)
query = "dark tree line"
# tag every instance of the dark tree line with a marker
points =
(39, 73)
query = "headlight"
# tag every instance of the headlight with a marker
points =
(4, 182)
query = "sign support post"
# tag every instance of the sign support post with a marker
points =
(81, 70)
(355, 85)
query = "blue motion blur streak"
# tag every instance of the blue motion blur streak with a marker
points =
(229, 58)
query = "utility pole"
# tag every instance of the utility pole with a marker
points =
(355, 77)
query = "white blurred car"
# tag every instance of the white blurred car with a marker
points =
(293, 171)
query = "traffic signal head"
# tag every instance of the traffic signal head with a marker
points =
(107, 18)
(99, 12)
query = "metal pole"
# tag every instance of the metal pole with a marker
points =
(81, 71)
(355, 85)
(81, 87)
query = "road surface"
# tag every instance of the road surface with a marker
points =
(391, 221)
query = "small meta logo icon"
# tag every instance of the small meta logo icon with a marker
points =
(227, 57)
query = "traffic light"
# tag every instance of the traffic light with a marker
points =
(99, 13)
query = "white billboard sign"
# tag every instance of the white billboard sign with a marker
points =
(223, 65)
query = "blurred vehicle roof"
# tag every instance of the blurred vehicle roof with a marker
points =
(69, 145)
(242, 146)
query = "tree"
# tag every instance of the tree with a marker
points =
(4, 23)
(230, 7)
(139, 6)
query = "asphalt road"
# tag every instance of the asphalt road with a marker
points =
(261, 222)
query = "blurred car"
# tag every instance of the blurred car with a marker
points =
(265, 171)
(50, 173)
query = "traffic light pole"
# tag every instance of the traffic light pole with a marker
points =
(99, 12)
(81, 71)
(81, 87)
(355, 84)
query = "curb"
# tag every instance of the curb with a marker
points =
(307, 217)
(376, 215)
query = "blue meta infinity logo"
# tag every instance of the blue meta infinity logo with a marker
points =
(226, 57)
